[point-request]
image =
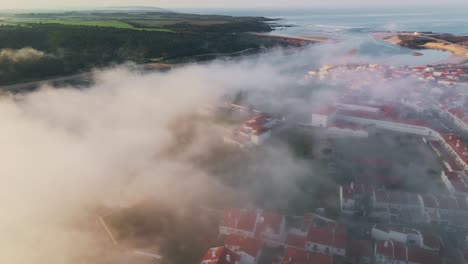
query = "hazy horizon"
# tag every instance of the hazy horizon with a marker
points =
(84, 4)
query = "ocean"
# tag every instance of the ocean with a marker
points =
(356, 25)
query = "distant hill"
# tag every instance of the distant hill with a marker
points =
(135, 9)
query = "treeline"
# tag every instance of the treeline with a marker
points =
(71, 49)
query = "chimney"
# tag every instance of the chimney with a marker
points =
(213, 253)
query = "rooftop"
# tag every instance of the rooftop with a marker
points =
(382, 196)
(334, 236)
(382, 116)
(241, 219)
(458, 145)
(295, 256)
(220, 255)
(251, 246)
(258, 222)
(324, 110)
(296, 241)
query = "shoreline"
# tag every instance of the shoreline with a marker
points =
(457, 54)
(311, 39)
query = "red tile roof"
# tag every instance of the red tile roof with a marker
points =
(333, 236)
(269, 223)
(251, 246)
(241, 219)
(458, 145)
(296, 241)
(220, 255)
(457, 111)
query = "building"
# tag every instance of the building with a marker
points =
(351, 197)
(321, 116)
(399, 208)
(327, 239)
(340, 129)
(248, 249)
(458, 149)
(386, 121)
(220, 255)
(271, 228)
(253, 132)
(266, 226)
(240, 222)
(407, 236)
(297, 256)
(398, 200)
(390, 252)
(446, 209)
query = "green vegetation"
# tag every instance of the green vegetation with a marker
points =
(79, 22)
(76, 42)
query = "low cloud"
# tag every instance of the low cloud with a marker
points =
(19, 55)
(132, 137)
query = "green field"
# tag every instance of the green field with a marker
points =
(80, 22)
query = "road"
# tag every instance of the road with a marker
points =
(35, 84)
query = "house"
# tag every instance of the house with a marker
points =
(253, 132)
(297, 241)
(383, 117)
(351, 194)
(220, 255)
(405, 236)
(457, 147)
(259, 128)
(390, 252)
(342, 129)
(270, 227)
(238, 221)
(399, 207)
(322, 115)
(266, 226)
(248, 249)
(327, 239)
(297, 256)
(398, 200)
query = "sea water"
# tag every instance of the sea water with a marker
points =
(356, 25)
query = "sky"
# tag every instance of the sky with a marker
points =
(52, 4)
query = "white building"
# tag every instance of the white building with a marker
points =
(321, 116)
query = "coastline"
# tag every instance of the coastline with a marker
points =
(298, 39)
(459, 53)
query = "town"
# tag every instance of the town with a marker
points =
(382, 219)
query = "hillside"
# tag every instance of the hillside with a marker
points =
(73, 42)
